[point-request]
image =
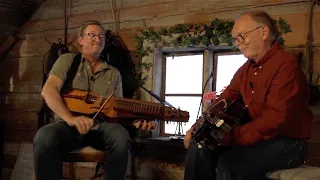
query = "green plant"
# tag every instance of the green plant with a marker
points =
(140, 68)
(283, 28)
(216, 32)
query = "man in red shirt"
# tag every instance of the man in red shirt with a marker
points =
(275, 92)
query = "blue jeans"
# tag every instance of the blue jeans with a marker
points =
(244, 163)
(56, 139)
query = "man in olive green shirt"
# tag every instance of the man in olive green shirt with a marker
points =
(71, 132)
(103, 82)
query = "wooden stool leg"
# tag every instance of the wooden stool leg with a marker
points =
(71, 171)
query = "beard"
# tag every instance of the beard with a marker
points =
(96, 48)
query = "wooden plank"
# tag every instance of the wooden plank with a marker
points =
(21, 96)
(19, 120)
(119, 3)
(316, 59)
(38, 47)
(72, 32)
(312, 162)
(4, 35)
(139, 13)
(6, 46)
(315, 137)
(34, 47)
(9, 161)
(232, 12)
(19, 135)
(20, 105)
(55, 9)
(299, 26)
(20, 88)
(166, 21)
(19, 71)
(6, 173)
(11, 148)
(32, 63)
(13, 18)
(51, 8)
(11, 40)
(18, 6)
(297, 22)
(127, 37)
(19, 76)
(6, 28)
(48, 34)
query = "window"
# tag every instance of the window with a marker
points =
(183, 82)
(183, 87)
(226, 67)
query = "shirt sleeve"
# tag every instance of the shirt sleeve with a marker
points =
(118, 86)
(62, 65)
(287, 91)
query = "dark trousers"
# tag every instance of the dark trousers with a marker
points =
(56, 139)
(244, 163)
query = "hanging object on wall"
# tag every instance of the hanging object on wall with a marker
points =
(114, 17)
(314, 87)
(117, 54)
(309, 44)
(65, 23)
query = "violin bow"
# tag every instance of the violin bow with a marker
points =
(103, 105)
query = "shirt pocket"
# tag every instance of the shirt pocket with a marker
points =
(260, 96)
(80, 81)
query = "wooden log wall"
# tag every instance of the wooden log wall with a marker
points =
(13, 14)
(21, 71)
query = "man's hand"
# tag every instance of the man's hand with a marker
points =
(82, 123)
(188, 137)
(144, 125)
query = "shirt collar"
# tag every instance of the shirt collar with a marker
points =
(269, 54)
(105, 66)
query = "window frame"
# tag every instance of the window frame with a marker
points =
(213, 55)
(163, 84)
(215, 65)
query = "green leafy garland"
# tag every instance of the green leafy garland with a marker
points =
(217, 32)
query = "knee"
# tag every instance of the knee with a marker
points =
(193, 148)
(224, 163)
(194, 152)
(44, 138)
(118, 139)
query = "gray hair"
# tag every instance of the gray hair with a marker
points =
(261, 17)
(83, 27)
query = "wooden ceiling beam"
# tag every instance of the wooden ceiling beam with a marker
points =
(11, 40)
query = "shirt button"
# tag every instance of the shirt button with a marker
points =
(255, 73)
(260, 67)
(246, 105)
(252, 92)
(88, 67)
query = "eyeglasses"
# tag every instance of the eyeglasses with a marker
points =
(240, 38)
(92, 35)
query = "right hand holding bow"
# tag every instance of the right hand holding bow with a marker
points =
(82, 123)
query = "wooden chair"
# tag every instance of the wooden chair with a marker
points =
(86, 154)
